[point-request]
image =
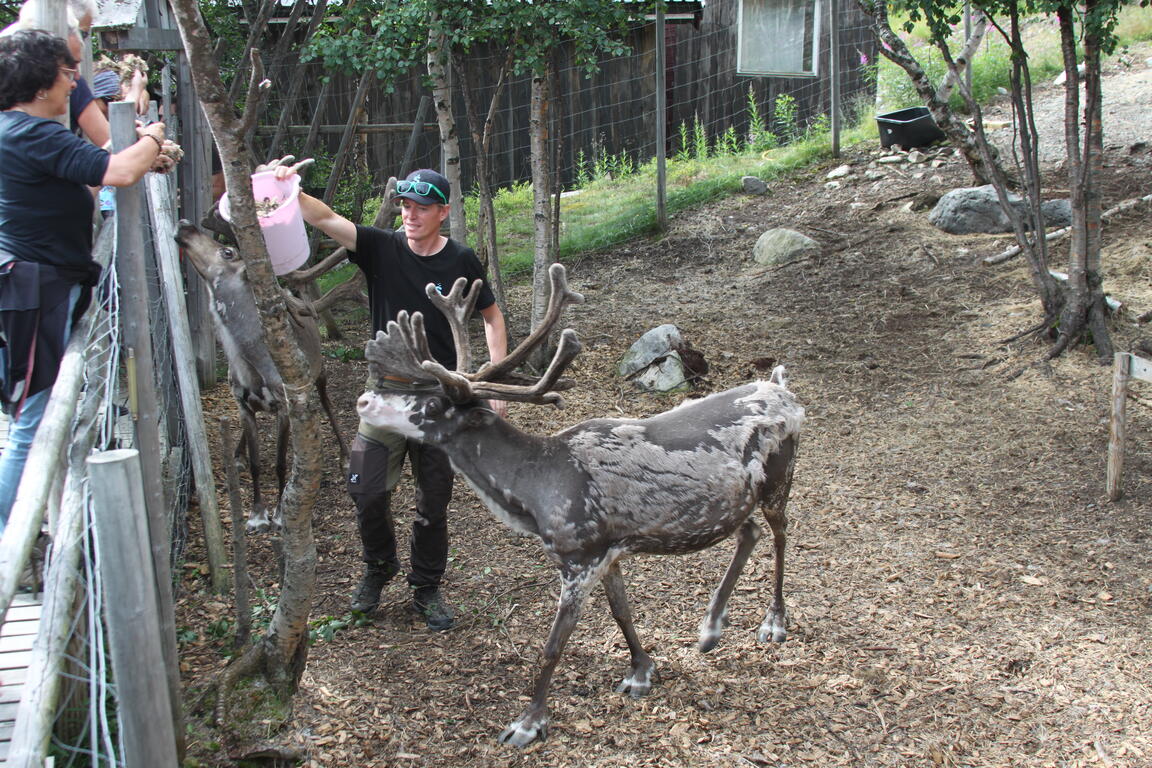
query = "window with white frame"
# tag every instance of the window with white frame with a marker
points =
(778, 37)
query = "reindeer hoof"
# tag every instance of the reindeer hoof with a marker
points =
(258, 524)
(710, 632)
(773, 628)
(637, 684)
(525, 731)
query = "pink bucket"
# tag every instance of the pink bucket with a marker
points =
(283, 228)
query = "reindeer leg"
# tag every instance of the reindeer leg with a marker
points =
(282, 426)
(258, 518)
(774, 626)
(577, 581)
(643, 673)
(716, 618)
(778, 472)
(326, 404)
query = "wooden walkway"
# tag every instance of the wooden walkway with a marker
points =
(17, 635)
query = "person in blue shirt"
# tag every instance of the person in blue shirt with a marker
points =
(46, 208)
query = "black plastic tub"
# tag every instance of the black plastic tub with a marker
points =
(911, 127)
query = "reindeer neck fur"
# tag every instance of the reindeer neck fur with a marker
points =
(252, 372)
(501, 463)
(504, 466)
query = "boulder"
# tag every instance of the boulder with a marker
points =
(1057, 213)
(780, 246)
(668, 375)
(652, 346)
(972, 210)
(753, 185)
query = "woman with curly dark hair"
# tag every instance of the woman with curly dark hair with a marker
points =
(46, 207)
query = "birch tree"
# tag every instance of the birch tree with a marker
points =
(277, 658)
(1074, 312)
(527, 37)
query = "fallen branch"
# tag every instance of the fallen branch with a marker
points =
(1057, 234)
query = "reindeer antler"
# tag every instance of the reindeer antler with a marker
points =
(457, 306)
(403, 349)
(399, 350)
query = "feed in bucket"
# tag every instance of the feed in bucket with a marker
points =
(281, 221)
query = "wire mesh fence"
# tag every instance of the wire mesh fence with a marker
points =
(85, 730)
(601, 121)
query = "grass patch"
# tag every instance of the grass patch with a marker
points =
(991, 67)
(607, 212)
(613, 208)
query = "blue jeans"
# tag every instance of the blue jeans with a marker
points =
(21, 432)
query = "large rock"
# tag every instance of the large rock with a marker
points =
(652, 346)
(780, 246)
(753, 185)
(972, 210)
(668, 375)
(1057, 213)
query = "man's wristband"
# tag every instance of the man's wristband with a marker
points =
(159, 143)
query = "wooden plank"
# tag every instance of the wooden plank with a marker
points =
(24, 623)
(1140, 368)
(13, 660)
(142, 39)
(18, 617)
(17, 643)
(23, 613)
(16, 676)
(25, 627)
(8, 711)
(10, 693)
(136, 623)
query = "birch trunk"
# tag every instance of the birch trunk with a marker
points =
(280, 654)
(1079, 311)
(542, 257)
(482, 139)
(438, 70)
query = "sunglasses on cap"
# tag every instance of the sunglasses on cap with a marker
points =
(420, 188)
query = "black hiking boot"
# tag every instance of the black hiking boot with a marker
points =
(367, 596)
(429, 603)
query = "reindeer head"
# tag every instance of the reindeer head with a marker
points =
(437, 396)
(214, 262)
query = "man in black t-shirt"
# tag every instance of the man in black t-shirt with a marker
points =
(397, 265)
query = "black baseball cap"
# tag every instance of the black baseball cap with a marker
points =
(424, 186)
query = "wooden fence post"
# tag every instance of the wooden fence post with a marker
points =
(137, 340)
(1125, 368)
(132, 609)
(161, 206)
(1116, 425)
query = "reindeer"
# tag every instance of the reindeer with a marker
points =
(604, 489)
(255, 381)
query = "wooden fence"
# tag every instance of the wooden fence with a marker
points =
(612, 112)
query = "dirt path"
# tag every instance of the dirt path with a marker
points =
(960, 592)
(1126, 111)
